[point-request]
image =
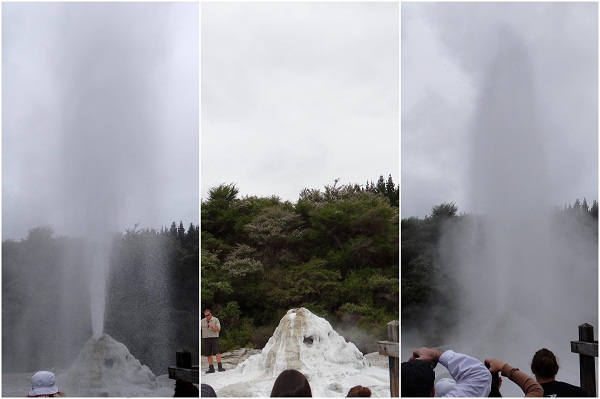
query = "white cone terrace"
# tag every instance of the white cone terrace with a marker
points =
(308, 343)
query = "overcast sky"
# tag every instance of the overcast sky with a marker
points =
(296, 95)
(100, 116)
(446, 52)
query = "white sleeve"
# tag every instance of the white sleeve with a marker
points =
(472, 378)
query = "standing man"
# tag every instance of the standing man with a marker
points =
(210, 340)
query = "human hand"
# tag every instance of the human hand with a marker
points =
(428, 355)
(495, 365)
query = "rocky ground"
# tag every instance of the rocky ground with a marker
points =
(231, 359)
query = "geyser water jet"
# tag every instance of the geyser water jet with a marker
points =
(98, 266)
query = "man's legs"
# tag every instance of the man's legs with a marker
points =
(207, 350)
(210, 360)
(218, 359)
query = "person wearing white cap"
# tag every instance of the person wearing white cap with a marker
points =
(43, 383)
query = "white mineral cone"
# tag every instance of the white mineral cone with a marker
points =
(304, 341)
(106, 368)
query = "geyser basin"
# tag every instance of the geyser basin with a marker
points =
(106, 368)
(308, 343)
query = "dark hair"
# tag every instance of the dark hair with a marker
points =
(359, 391)
(544, 363)
(495, 391)
(184, 389)
(417, 378)
(291, 383)
(207, 391)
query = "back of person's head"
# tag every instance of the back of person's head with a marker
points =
(291, 383)
(207, 391)
(544, 364)
(359, 392)
(43, 383)
(443, 386)
(417, 378)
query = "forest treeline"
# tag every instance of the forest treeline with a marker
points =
(420, 239)
(335, 251)
(152, 296)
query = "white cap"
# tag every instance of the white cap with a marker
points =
(43, 383)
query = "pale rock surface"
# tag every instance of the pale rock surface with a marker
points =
(106, 368)
(308, 343)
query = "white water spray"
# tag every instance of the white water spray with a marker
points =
(98, 267)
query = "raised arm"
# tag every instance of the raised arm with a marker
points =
(529, 386)
(472, 378)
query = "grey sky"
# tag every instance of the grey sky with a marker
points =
(100, 116)
(446, 49)
(296, 95)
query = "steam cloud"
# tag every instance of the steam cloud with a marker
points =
(101, 99)
(519, 277)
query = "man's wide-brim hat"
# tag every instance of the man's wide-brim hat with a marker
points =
(43, 383)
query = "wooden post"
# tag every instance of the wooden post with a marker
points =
(390, 348)
(588, 350)
(183, 359)
(184, 370)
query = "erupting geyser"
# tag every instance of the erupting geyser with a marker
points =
(523, 280)
(112, 80)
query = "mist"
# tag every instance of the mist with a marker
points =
(447, 49)
(517, 274)
(100, 116)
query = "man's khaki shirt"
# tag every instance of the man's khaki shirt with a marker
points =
(207, 332)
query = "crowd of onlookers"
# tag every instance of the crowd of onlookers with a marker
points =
(470, 378)
(474, 378)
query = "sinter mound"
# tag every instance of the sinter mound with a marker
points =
(106, 368)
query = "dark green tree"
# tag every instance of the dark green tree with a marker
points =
(444, 210)
(594, 210)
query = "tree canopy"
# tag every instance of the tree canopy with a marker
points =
(421, 265)
(152, 300)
